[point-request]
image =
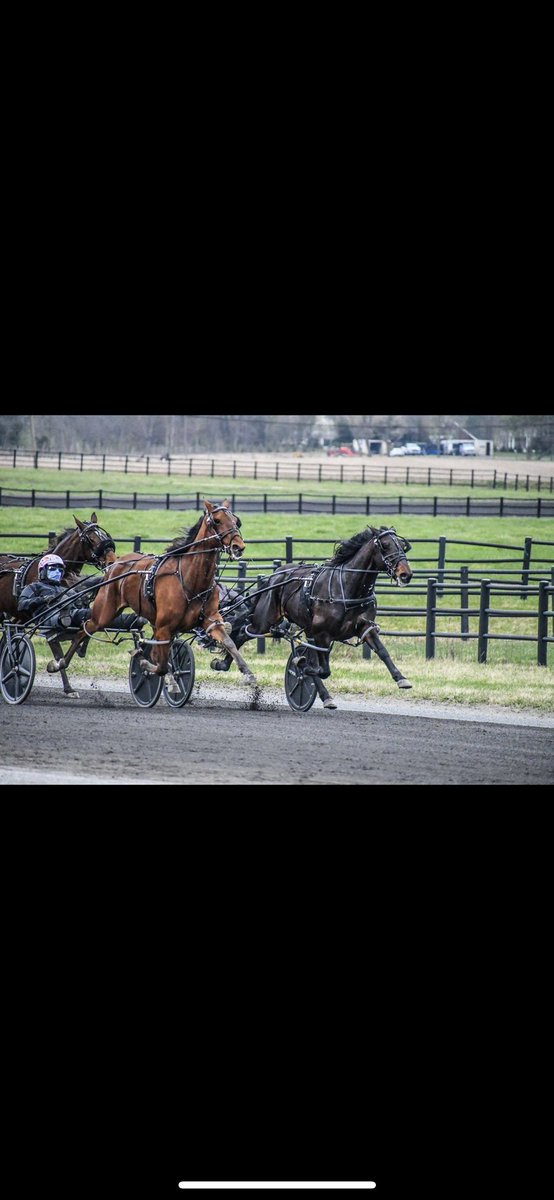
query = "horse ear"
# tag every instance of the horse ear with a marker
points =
(226, 503)
(78, 522)
(93, 519)
(208, 506)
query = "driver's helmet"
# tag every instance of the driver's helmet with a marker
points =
(51, 569)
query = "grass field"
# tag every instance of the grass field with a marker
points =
(510, 677)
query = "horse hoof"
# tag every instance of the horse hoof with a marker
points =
(219, 666)
(71, 695)
(227, 626)
(147, 666)
(404, 683)
(329, 703)
(52, 667)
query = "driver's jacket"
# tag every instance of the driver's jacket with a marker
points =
(38, 597)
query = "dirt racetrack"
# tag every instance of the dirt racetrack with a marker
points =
(105, 737)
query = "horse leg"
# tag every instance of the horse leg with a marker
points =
(376, 644)
(59, 665)
(223, 664)
(324, 673)
(221, 635)
(163, 637)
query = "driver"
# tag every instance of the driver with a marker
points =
(51, 588)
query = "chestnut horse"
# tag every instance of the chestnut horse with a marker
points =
(176, 591)
(87, 543)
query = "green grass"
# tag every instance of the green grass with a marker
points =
(87, 482)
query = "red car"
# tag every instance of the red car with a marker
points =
(341, 452)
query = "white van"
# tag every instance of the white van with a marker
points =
(467, 448)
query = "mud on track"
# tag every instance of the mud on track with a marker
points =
(105, 737)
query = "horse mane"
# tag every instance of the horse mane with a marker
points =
(346, 548)
(185, 538)
(60, 537)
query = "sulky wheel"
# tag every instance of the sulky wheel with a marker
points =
(17, 668)
(300, 689)
(181, 663)
(145, 686)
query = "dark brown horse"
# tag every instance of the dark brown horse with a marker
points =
(176, 591)
(331, 602)
(87, 543)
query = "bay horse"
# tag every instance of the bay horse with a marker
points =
(330, 602)
(175, 591)
(87, 543)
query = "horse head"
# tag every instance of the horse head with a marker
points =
(222, 522)
(95, 541)
(391, 550)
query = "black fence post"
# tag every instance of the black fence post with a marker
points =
(464, 601)
(260, 641)
(14, 457)
(276, 470)
(147, 464)
(341, 473)
(552, 585)
(169, 464)
(289, 550)
(363, 472)
(198, 501)
(539, 505)
(234, 469)
(542, 631)
(134, 499)
(167, 497)
(431, 624)
(100, 497)
(68, 499)
(265, 501)
(126, 463)
(482, 644)
(494, 478)
(82, 462)
(103, 463)
(36, 459)
(300, 502)
(255, 470)
(435, 498)
(59, 460)
(212, 468)
(319, 473)
(501, 506)
(241, 576)
(333, 504)
(385, 479)
(472, 476)
(526, 564)
(0, 497)
(367, 505)
(137, 545)
(441, 564)
(468, 506)
(400, 504)
(33, 498)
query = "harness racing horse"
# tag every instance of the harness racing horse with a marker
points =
(175, 591)
(87, 543)
(331, 602)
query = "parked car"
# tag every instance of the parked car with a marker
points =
(396, 451)
(467, 448)
(341, 452)
(413, 448)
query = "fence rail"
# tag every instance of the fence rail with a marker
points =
(302, 469)
(303, 502)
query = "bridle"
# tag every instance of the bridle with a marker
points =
(221, 537)
(392, 558)
(96, 550)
